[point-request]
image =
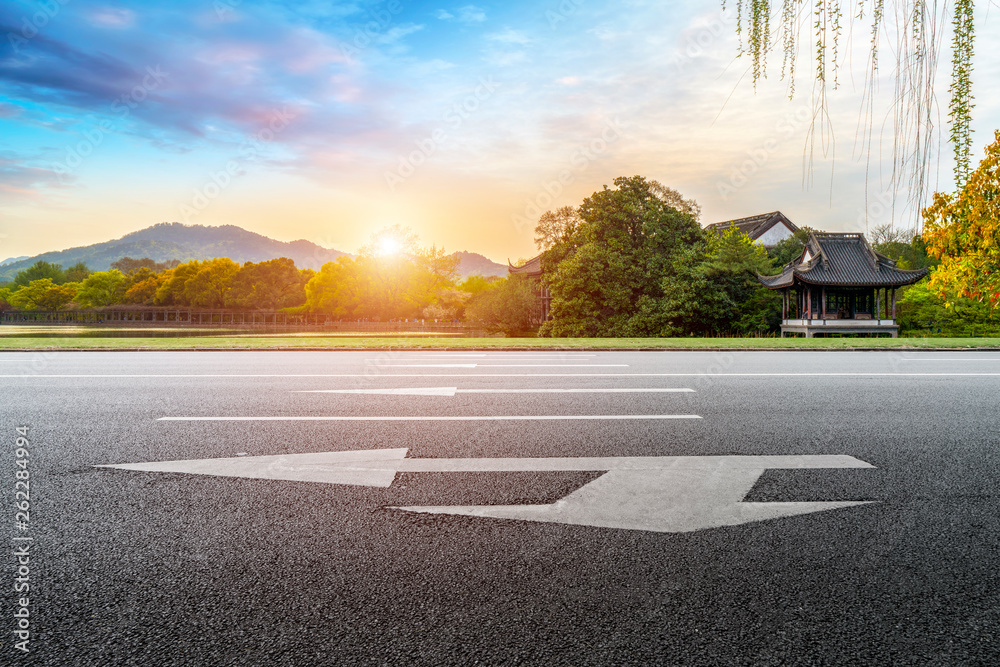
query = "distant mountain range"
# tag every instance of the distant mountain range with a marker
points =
(172, 240)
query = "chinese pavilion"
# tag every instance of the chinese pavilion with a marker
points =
(840, 285)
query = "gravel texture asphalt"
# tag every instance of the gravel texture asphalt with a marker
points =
(151, 568)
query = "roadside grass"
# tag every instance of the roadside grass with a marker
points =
(321, 342)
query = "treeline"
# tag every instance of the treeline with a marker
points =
(413, 283)
(633, 261)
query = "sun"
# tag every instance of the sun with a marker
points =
(388, 246)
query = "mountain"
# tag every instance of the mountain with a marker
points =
(474, 264)
(172, 240)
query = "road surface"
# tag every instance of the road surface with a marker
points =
(502, 508)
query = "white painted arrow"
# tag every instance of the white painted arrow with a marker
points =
(669, 494)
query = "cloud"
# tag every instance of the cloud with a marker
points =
(568, 80)
(508, 36)
(466, 14)
(113, 17)
(21, 180)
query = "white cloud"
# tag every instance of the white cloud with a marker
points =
(508, 36)
(471, 14)
(112, 17)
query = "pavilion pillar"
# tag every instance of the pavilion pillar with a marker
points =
(822, 303)
(894, 303)
(809, 303)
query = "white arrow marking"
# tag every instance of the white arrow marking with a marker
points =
(451, 391)
(670, 494)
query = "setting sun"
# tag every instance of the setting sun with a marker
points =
(389, 246)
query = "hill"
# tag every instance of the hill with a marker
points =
(172, 240)
(474, 264)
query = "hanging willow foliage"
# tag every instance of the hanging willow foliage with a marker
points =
(918, 26)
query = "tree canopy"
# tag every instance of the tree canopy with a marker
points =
(963, 232)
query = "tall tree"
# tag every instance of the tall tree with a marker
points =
(103, 288)
(616, 257)
(42, 294)
(40, 270)
(963, 231)
(209, 286)
(509, 305)
(268, 285)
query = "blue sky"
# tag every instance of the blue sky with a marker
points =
(331, 120)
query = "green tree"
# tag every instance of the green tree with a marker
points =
(42, 294)
(128, 265)
(920, 309)
(340, 289)
(268, 285)
(209, 286)
(789, 249)
(41, 270)
(77, 273)
(510, 306)
(172, 289)
(610, 265)
(104, 288)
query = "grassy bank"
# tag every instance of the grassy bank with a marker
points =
(301, 342)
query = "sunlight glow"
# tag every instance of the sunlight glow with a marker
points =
(388, 246)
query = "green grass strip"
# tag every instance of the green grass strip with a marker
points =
(294, 342)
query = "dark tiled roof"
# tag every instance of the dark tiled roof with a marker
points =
(844, 260)
(533, 267)
(755, 225)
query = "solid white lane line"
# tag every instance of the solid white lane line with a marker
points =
(505, 366)
(434, 418)
(953, 359)
(451, 391)
(375, 375)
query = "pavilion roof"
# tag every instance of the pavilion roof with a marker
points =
(533, 267)
(753, 226)
(844, 260)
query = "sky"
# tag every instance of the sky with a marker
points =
(464, 122)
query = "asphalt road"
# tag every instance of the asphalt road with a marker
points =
(133, 567)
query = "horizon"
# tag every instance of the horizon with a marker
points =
(463, 122)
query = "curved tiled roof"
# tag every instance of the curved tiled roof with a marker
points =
(533, 267)
(755, 225)
(844, 260)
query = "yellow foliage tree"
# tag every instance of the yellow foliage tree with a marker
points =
(963, 231)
